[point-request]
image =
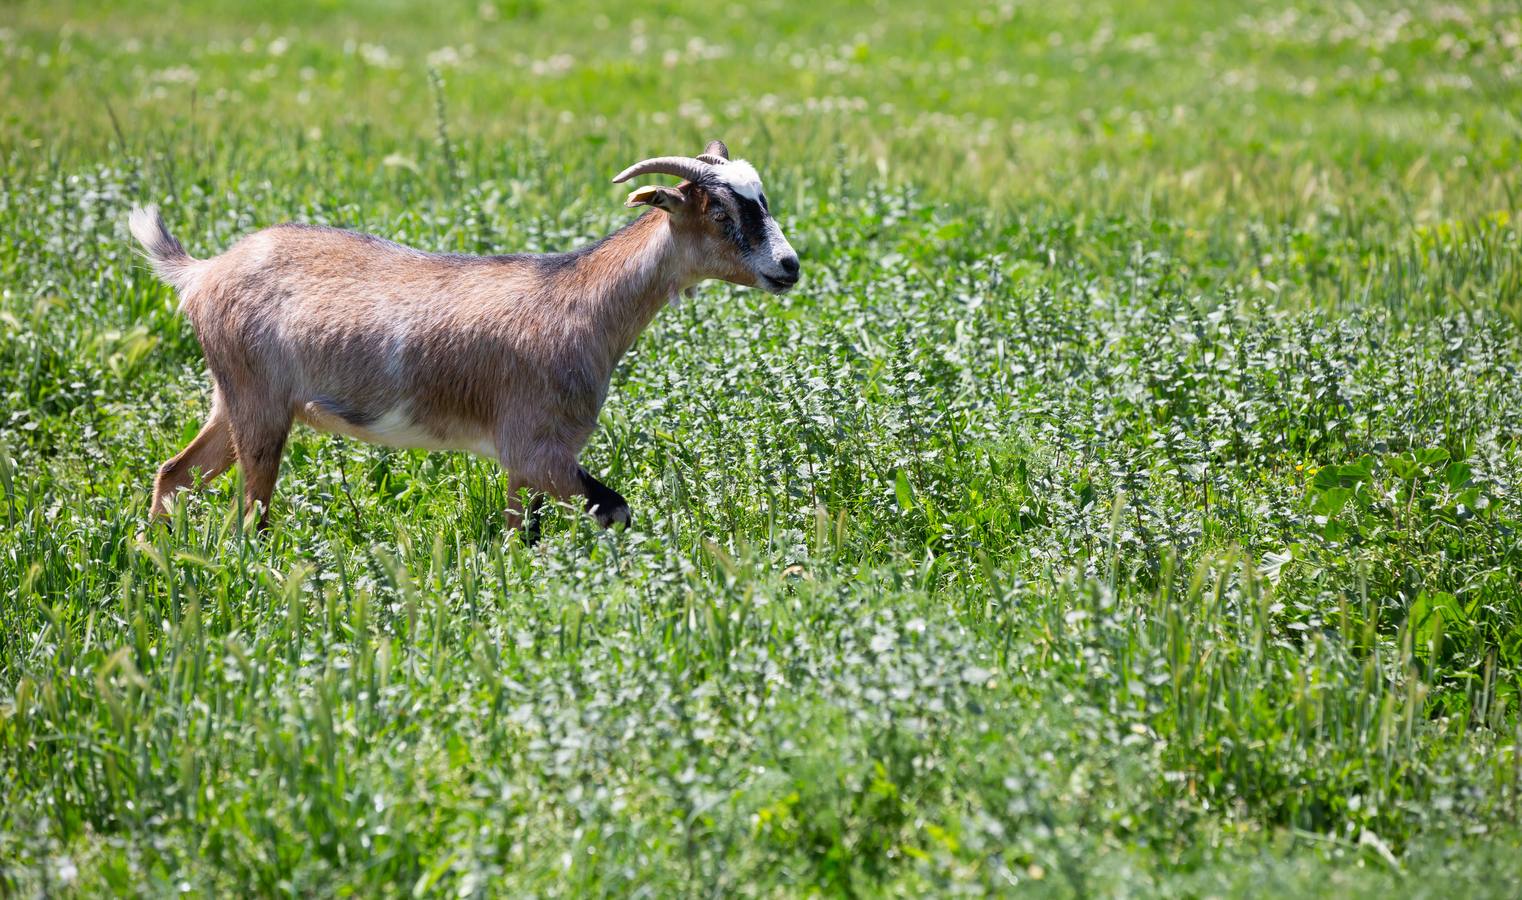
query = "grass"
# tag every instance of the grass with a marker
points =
(1125, 503)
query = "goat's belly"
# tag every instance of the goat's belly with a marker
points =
(396, 428)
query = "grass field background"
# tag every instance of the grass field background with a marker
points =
(1126, 502)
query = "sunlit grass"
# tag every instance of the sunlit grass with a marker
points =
(1125, 502)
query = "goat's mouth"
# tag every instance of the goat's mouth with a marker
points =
(778, 284)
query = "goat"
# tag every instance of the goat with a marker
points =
(506, 356)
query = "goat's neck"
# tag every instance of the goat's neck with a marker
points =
(624, 280)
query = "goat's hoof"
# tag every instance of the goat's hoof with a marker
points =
(614, 515)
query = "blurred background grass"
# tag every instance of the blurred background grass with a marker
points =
(1390, 113)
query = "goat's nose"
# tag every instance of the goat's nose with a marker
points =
(790, 265)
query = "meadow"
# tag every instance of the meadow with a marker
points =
(1125, 503)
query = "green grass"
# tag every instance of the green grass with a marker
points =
(1127, 502)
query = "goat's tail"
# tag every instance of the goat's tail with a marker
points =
(168, 257)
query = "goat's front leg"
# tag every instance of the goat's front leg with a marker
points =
(562, 479)
(605, 505)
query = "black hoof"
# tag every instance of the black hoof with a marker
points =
(614, 514)
(606, 505)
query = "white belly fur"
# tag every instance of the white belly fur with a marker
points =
(397, 429)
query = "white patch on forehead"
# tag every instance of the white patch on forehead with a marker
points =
(741, 177)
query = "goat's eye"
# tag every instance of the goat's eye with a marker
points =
(722, 217)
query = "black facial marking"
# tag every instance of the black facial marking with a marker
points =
(752, 221)
(722, 210)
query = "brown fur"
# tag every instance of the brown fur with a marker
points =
(508, 356)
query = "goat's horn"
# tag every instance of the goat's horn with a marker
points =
(680, 166)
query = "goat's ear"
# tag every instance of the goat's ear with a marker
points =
(717, 148)
(668, 198)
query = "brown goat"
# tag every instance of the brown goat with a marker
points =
(505, 356)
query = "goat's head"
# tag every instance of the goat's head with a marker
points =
(722, 208)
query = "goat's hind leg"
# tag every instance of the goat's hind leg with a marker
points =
(259, 438)
(210, 453)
